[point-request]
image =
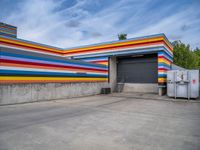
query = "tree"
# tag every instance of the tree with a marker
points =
(184, 56)
(122, 36)
(197, 52)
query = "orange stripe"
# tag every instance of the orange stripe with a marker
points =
(164, 59)
(103, 63)
(112, 49)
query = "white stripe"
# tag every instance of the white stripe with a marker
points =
(162, 72)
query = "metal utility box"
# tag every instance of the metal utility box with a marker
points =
(183, 83)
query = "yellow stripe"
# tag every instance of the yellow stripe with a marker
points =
(117, 44)
(164, 61)
(30, 45)
(162, 79)
(18, 78)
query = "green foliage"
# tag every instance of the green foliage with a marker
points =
(122, 36)
(197, 52)
(185, 57)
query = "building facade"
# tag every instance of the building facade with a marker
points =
(137, 65)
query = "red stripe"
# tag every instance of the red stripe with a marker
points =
(162, 69)
(47, 67)
(50, 65)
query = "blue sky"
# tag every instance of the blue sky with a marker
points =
(67, 23)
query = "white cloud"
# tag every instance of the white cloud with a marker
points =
(86, 21)
(182, 26)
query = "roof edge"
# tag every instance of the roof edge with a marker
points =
(121, 41)
(90, 45)
(31, 42)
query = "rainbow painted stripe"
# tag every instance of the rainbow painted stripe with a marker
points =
(30, 65)
(151, 44)
(144, 42)
(164, 64)
(96, 60)
(28, 62)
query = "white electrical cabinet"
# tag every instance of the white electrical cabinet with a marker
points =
(183, 83)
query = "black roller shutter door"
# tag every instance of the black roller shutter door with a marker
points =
(137, 69)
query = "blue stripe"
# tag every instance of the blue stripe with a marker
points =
(18, 72)
(162, 75)
(166, 55)
(53, 60)
(164, 65)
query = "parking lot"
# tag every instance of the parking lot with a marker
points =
(102, 122)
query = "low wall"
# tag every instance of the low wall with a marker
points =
(139, 87)
(22, 93)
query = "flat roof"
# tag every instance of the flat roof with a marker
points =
(95, 44)
(122, 41)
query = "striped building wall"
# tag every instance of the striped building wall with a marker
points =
(150, 44)
(164, 64)
(96, 60)
(25, 62)
(136, 45)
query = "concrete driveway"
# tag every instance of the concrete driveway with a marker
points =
(104, 122)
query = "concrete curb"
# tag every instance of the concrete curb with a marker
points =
(162, 98)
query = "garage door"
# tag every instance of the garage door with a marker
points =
(137, 69)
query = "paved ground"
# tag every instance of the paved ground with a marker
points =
(101, 123)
